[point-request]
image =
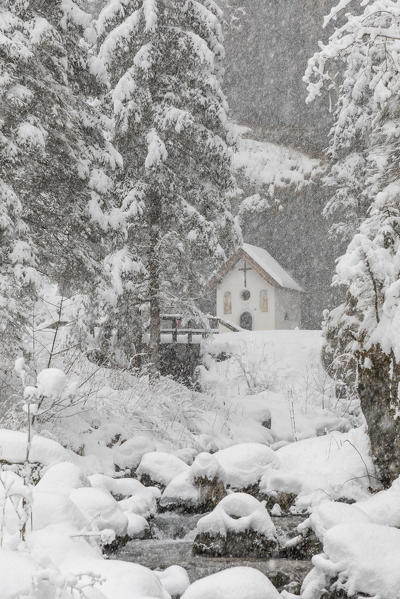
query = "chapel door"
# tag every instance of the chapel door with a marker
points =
(246, 321)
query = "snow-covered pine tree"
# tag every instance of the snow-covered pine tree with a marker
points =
(163, 63)
(54, 149)
(364, 329)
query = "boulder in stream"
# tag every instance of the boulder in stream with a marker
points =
(239, 526)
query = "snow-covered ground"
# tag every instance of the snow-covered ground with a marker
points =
(267, 423)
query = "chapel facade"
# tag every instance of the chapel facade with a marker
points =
(254, 292)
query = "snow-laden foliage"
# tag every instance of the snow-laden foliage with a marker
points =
(359, 67)
(162, 63)
(54, 151)
(363, 332)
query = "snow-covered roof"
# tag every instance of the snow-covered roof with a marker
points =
(271, 266)
(262, 261)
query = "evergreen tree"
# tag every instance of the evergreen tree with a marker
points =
(54, 149)
(163, 64)
(363, 329)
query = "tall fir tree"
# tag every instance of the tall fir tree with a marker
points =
(55, 151)
(363, 331)
(162, 59)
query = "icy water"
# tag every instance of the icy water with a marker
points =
(171, 544)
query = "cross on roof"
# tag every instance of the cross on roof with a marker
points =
(245, 270)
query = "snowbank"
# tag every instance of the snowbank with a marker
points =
(237, 583)
(334, 466)
(44, 451)
(160, 467)
(273, 165)
(383, 507)
(364, 557)
(17, 571)
(331, 513)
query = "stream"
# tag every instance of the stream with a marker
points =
(171, 543)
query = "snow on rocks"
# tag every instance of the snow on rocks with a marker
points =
(200, 487)
(55, 508)
(181, 493)
(237, 583)
(357, 558)
(132, 496)
(175, 580)
(124, 580)
(239, 526)
(17, 572)
(143, 502)
(331, 513)
(337, 465)
(130, 452)
(62, 478)
(43, 451)
(204, 484)
(244, 464)
(384, 506)
(159, 468)
(100, 509)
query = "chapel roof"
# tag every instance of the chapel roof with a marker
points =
(263, 263)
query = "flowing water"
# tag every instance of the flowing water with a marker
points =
(171, 543)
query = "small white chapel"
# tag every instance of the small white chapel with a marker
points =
(255, 293)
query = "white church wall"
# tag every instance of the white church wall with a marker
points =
(233, 282)
(288, 309)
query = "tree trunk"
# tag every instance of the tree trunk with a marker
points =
(378, 391)
(155, 319)
(154, 290)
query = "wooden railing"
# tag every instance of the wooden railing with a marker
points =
(176, 330)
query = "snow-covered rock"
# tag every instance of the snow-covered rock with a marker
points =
(357, 558)
(181, 492)
(100, 509)
(143, 502)
(383, 507)
(44, 451)
(239, 526)
(122, 487)
(331, 513)
(337, 465)
(62, 478)
(49, 507)
(233, 583)
(124, 580)
(175, 580)
(138, 527)
(129, 453)
(243, 465)
(160, 468)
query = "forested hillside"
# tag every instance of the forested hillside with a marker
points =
(267, 47)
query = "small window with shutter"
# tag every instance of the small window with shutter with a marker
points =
(264, 300)
(227, 302)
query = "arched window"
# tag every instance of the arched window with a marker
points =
(264, 300)
(227, 302)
